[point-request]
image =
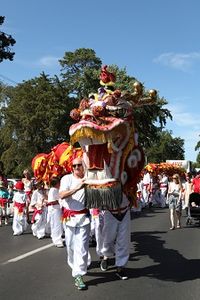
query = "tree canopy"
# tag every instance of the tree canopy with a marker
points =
(35, 114)
(35, 120)
(6, 42)
(165, 148)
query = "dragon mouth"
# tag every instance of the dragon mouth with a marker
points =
(102, 147)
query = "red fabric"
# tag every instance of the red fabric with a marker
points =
(67, 213)
(95, 211)
(163, 185)
(196, 185)
(19, 186)
(28, 193)
(36, 211)
(3, 202)
(20, 206)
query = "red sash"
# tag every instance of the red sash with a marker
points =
(36, 211)
(20, 206)
(67, 213)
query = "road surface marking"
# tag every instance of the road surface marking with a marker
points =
(28, 254)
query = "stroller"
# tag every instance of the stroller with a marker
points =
(193, 209)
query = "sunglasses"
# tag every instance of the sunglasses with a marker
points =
(77, 165)
(175, 177)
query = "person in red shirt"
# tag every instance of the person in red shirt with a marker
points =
(196, 183)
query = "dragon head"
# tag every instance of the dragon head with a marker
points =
(105, 130)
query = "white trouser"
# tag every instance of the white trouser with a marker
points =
(39, 227)
(19, 222)
(96, 229)
(77, 245)
(116, 238)
(145, 194)
(163, 196)
(54, 221)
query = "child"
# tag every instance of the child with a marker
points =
(19, 205)
(3, 202)
(28, 187)
(38, 204)
(54, 213)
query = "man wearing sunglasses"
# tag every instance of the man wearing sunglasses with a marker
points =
(76, 221)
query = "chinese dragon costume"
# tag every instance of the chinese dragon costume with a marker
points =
(108, 142)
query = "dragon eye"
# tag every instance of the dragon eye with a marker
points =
(124, 177)
(132, 161)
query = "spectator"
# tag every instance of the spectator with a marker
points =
(175, 201)
(3, 203)
(196, 183)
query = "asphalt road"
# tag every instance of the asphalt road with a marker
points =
(163, 265)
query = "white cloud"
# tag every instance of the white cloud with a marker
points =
(48, 61)
(44, 62)
(179, 61)
(184, 118)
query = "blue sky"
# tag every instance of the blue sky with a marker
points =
(156, 41)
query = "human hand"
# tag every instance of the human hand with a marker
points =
(81, 184)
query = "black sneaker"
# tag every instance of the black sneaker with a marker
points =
(121, 273)
(104, 265)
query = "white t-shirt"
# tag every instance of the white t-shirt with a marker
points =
(37, 198)
(53, 194)
(20, 197)
(75, 201)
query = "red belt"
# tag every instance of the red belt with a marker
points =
(67, 213)
(52, 203)
(163, 185)
(95, 211)
(36, 211)
(20, 206)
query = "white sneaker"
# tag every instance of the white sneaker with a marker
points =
(59, 245)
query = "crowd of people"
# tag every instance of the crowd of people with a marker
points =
(172, 191)
(58, 210)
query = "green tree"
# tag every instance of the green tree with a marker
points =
(165, 148)
(80, 71)
(35, 116)
(35, 120)
(6, 41)
(150, 119)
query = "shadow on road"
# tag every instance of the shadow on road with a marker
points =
(171, 265)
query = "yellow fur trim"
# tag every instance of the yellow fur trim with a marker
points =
(88, 133)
